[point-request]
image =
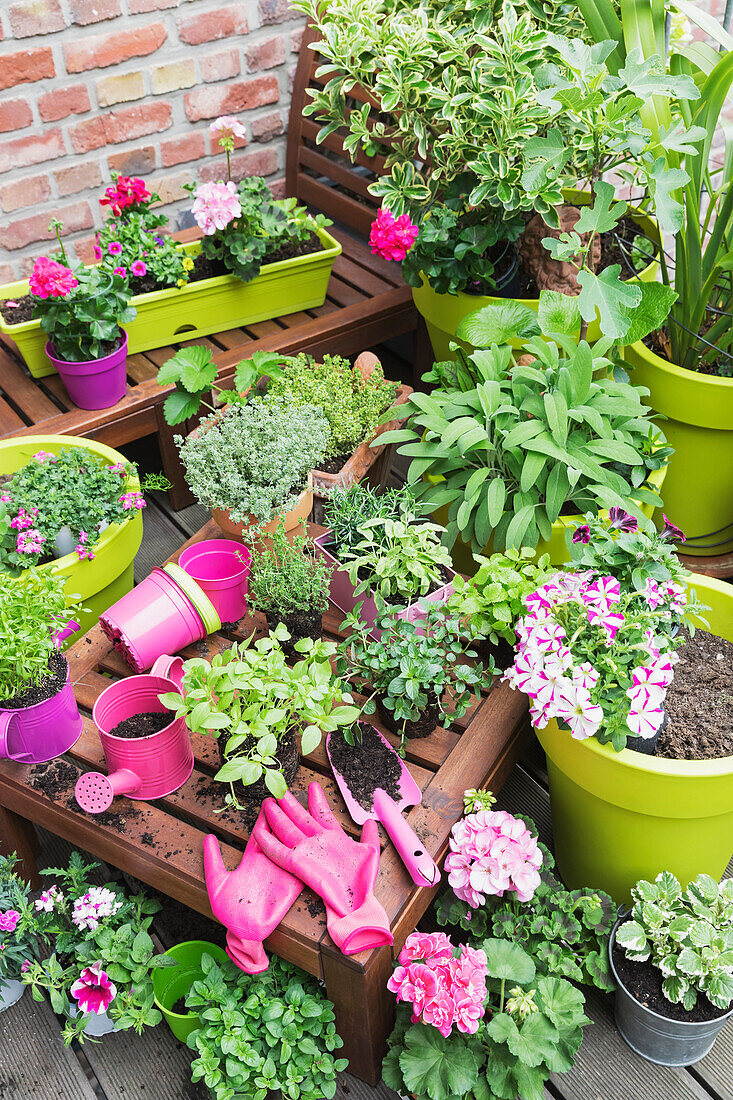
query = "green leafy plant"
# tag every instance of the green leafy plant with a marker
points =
(490, 603)
(687, 934)
(398, 560)
(84, 323)
(263, 1034)
(250, 695)
(413, 666)
(289, 578)
(531, 1027)
(193, 372)
(32, 609)
(135, 238)
(18, 943)
(99, 927)
(348, 510)
(528, 444)
(253, 460)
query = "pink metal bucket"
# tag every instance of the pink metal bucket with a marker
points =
(221, 568)
(154, 618)
(142, 767)
(33, 735)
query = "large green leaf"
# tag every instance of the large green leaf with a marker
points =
(650, 313)
(498, 323)
(558, 312)
(531, 1042)
(437, 1067)
(179, 406)
(610, 296)
(508, 961)
(603, 214)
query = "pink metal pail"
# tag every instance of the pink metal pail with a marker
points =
(33, 735)
(221, 568)
(154, 618)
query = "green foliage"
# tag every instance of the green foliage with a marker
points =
(520, 1041)
(263, 1034)
(139, 235)
(32, 608)
(349, 510)
(687, 934)
(566, 932)
(253, 697)
(413, 665)
(193, 372)
(490, 603)
(253, 460)
(85, 323)
(289, 577)
(397, 560)
(21, 943)
(351, 403)
(529, 443)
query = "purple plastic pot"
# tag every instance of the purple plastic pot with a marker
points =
(221, 567)
(33, 735)
(140, 767)
(342, 592)
(154, 618)
(96, 383)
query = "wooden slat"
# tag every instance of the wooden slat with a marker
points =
(35, 1064)
(134, 1067)
(23, 391)
(359, 277)
(335, 144)
(346, 177)
(335, 204)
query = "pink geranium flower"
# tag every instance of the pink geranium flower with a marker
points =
(390, 237)
(228, 128)
(215, 206)
(93, 991)
(51, 279)
(8, 920)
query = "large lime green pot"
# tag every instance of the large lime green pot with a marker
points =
(620, 817)
(101, 582)
(443, 313)
(698, 423)
(198, 309)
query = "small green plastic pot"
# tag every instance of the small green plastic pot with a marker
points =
(172, 982)
(98, 583)
(698, 422)
(443, 313)
(620, 817)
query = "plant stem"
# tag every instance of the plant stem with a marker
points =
(229, 165)
(501, 1005)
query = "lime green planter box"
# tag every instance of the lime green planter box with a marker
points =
(443, 313)
(697, 419)
(101, 582)
(198, 309)
(620, 817)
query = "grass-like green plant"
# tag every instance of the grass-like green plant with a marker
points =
(490, 603)
(398, 560)
(289, 578)
(270, 1034)
(32, 608)
(253, 460)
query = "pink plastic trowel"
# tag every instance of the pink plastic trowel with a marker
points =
(423, 869)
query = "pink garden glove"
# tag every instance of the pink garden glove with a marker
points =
(342, 871)
(251, 901)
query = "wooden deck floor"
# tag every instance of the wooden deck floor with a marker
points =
(34, 1065)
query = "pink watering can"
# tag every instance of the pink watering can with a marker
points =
(140, 767)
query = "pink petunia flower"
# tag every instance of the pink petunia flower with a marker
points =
(97, 252)
(8, 920)
(114, 248)
(215, 206)
(93, 991)
(138, 267)
(390, 237)
(121, 271)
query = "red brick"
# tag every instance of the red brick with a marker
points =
(26, 66)
(138, 6)
(28, 17)
(62, 102)
(267, 127)
(181, 149)
(211, 102)
(15, 114)
(220, 66)
(133, 162)
(170, 188)
(20, 233)
(94, 11)
(266, 54)
(79, 177)
(87, 135)
(32, 149)
(296, 38)
(210, 25)
(277, 11)
(256, 162)
(278, 188)
(84, 249)
(102, 50)
(7, 271)
(123, 125)
(14, 196)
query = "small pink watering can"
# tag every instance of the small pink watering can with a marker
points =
(140, 767)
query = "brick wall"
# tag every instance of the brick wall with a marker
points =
(91, 86)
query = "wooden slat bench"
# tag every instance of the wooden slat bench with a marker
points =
(161, 843)
(367, 304)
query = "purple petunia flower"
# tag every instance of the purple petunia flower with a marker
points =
(621, 520)
(672, 533)
(582, 534)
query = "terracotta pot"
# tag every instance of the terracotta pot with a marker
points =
(263, 539)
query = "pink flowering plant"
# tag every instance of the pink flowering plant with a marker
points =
(18, 946)
(149, 256)
(101, 954)
(477, 1022)
(593, 658)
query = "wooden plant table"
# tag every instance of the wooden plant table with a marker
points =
(161, 843)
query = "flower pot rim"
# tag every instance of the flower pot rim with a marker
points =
(131, 740)
(320, 542)
(677, 373)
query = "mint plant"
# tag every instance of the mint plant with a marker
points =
(490, 603)
(32, 609)
(398, 560)
(687, 934)
(263, 1034)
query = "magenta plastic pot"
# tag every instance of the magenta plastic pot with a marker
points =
(97, 383)
(342, 593)
(33, 735)
(139, 767)
(154, 618)
(221, 567)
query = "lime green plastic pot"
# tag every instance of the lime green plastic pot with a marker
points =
(197, 309)
(698, 423)
(620, 817)
(443, 313)
(555, 546)
(104, 580)
(172, 982)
